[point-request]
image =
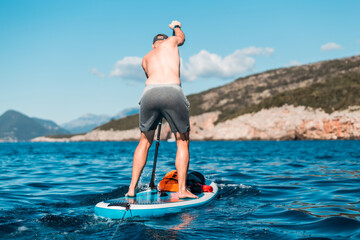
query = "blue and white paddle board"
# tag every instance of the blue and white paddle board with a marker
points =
(151, 203)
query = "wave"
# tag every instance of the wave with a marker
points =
(334, 225)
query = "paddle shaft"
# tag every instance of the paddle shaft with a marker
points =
(152, 182)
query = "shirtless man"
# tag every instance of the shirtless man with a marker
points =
(164, 97)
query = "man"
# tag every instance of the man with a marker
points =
(164, 97)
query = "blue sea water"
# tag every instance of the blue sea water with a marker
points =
(268, 190)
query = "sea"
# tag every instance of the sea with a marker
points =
(268, 190)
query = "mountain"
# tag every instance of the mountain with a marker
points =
(50, 125)
(329, 85)
(88, 122)
(85, 123)
(126, 112)
(15, 126)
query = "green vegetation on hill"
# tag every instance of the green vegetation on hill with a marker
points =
(125, 123)
(337, 93)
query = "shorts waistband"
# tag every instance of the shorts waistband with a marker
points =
(163, 85)
(172, 85)
(148, 87)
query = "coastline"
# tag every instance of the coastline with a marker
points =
(280, 123)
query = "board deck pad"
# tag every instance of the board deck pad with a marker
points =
(151, 203)
(149, 197)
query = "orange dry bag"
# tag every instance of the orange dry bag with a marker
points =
(169, 183)
(195, 182)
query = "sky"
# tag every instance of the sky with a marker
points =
(62, 59)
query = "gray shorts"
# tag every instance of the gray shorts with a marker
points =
(164, 100)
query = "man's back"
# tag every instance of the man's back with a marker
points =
(162, 64)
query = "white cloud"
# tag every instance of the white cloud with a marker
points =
(129, 68)
(330, 46)
(97, 73)
(206, 64)
(293, 63)
(201, 65)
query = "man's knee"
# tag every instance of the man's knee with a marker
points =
(182, 137)
(146, 139)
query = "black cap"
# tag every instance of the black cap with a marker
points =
(160, 37)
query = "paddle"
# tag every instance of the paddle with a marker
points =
(152, 182)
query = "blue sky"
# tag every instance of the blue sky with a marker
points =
(62, 59)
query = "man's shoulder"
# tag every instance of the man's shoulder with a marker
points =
(175, 41)
(148, 55)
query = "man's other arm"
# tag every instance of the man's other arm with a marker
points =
(179, 37)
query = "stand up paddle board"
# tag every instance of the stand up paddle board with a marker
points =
(151, 203)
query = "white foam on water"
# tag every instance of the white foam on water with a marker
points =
(22, 228)
(234, 185)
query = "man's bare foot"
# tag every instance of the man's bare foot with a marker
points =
(187, 194)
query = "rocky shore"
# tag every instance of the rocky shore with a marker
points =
(282, 123)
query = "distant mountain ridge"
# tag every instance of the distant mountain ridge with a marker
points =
(85, 123)
(89, 121)
(15, 126)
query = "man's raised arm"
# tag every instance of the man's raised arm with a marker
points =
(179, 35)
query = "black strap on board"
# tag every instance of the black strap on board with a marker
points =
(152, 182)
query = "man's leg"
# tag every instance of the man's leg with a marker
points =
(182, 163)
(139, 159)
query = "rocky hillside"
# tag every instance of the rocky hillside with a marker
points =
(235, 98)
(280, 123)
(245, 94)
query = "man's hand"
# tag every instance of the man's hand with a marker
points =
(179, 37)
(173, 24)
